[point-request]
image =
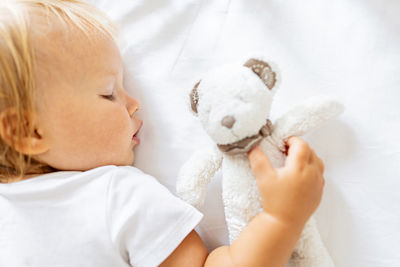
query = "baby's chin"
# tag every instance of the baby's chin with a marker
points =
(132, 160)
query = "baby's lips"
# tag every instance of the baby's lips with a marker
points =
(140, 126)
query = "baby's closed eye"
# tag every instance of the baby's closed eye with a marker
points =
(109, 97)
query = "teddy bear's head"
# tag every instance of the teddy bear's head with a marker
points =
(233, 104)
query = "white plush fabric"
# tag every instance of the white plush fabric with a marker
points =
(349, 49)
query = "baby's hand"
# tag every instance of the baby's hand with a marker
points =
(291, 193)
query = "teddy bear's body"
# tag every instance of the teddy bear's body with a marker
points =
(239, 188)
(234, 110)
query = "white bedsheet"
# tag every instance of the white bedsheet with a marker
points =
(346, 48)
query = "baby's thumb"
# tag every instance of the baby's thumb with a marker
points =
(260, 164)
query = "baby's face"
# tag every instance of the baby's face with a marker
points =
(84, 114)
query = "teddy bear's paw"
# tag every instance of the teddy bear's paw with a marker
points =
(196, 199)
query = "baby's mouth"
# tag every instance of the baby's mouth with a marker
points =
(247, 143)
(134, 137)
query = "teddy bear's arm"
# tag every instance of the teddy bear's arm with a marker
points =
(195, 175)
(305, 117)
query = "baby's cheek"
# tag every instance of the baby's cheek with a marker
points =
(118, 129)
(102, 133)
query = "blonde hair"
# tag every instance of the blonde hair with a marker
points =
(17, 68)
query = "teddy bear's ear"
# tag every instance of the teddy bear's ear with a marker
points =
(263, 70)
(194, 97)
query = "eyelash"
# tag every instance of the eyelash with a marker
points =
(109, 97)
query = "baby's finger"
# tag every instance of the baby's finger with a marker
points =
(299, 151)
(260, 164)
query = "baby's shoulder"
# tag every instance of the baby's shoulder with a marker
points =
(131, 179)
(130, 173)
(117, 172)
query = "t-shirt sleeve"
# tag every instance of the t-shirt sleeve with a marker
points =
(146, 221)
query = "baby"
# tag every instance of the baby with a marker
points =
(69, 195)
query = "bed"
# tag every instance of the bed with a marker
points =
(347, 49)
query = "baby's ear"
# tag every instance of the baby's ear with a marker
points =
(265, 71)
(27, 143)
(194, 98)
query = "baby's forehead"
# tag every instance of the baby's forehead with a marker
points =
(58, 38)
(66, 48)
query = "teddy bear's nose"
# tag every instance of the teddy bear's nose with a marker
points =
(228, 121)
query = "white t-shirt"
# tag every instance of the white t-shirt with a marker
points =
(109, 216)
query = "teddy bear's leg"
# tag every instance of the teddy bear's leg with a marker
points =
(310, 250)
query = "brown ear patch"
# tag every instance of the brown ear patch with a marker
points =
(194, 97)
(263, 70)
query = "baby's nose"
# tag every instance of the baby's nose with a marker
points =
(228, 121)
(133, 105)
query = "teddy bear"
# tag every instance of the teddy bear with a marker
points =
(233, 104)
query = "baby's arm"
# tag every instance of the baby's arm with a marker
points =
(290, 196)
